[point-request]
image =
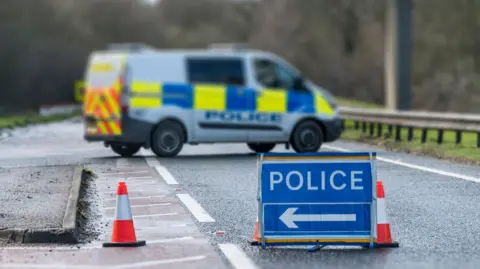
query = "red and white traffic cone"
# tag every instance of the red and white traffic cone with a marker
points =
(123, 234)
(384, 235)
(255, 240)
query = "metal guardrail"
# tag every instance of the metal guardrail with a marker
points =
(377, 118)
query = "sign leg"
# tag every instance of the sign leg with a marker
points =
(315, 248)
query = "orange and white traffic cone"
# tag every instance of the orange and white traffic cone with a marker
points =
(255, 239)
(384, 235)
(123, 234)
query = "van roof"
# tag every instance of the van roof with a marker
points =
(138, 49)
(210, 52)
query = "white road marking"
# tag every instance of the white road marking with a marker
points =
(122, 162)
(105, 184)
(137, 197)
(113, 191)
(150, 242)
(151, 162)
(93, 246)
(237, 257)
(148, 216)
(136, 178)
(413, 166)
(146, 228)
(121, 173)
(135, 206)
(144, 152)
(125, 179)
(195, 208)
(165, 175)
(121, 266)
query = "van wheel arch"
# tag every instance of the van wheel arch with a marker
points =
(317, 121)
(168, 137)
(301, 122)
(170, 119)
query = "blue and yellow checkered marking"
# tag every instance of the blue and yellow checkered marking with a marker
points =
(147, 95)
(240, 99)
(177, 95)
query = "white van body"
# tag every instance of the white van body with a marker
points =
(214, 96)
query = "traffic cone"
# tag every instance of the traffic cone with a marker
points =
(384, 235)
(255, 240)
(123, 234)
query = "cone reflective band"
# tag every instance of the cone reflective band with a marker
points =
(123, 234)
(384, 235)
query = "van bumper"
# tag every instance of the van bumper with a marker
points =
(333, 129)
(100, 138)
(133, 132)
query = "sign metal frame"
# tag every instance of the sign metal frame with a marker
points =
(373, 204)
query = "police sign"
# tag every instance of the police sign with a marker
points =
(242, 116)
(317, 199)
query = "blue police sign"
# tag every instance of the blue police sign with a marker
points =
(319, 199)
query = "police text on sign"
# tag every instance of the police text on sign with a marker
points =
(337, 180)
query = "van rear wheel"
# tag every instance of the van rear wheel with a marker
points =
(307, 137)
(125, 150)
(168, 139)
(261, 147)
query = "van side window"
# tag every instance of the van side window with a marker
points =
(271, 75)
(218, 71)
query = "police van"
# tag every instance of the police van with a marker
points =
(137, 96)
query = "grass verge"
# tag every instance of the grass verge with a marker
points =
(10, 122)
(466, 152)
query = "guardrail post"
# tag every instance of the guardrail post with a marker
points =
(342, 124)
(379, 129)
(364, 127)
(440, 137)
(398, 133)
(357, 125)
(372, 128)
(410, 134)
(424, 136)
(478, 140)
(390, 130)
(458, 138)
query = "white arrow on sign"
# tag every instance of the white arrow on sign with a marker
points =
(289, 218)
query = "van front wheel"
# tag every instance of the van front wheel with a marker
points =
(168, 139)
(307, 137)
(125, 150)
(261, 147)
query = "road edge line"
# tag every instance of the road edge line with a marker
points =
(413, 166)
(165, 175)
(195, 208)
(237, 257)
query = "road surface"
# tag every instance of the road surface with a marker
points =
(432, 207)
